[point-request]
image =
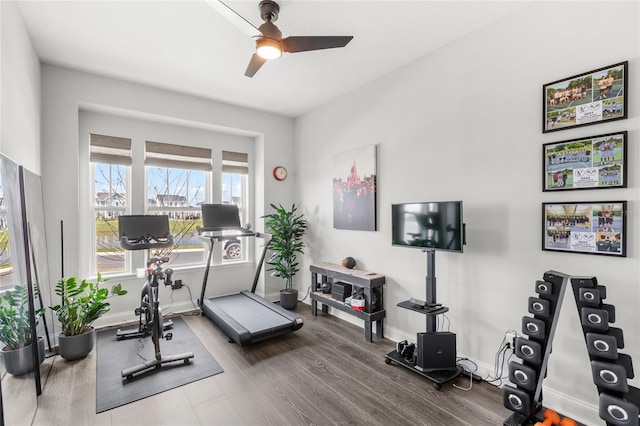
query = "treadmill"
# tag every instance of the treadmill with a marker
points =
(245, 317)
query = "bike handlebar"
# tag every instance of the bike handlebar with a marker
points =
(147, 241)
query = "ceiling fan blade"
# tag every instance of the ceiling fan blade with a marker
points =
(254, 65)
(304, 44)
(237, 20)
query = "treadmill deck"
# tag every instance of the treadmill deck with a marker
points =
(247, 318)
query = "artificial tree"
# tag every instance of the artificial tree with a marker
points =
(287, 229)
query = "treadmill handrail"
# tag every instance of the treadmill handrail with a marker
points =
(211, 239)
(256, 277)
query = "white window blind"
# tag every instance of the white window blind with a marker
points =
(110, 150)
(177, 156)
(235, 162)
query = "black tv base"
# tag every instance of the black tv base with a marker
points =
(437, 377)
(430, 309)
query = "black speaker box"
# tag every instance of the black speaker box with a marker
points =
(517, 400)
(522, 376)
(602, 345)
(436, 351)
(539, 307)
(528, 350)
(534, 328)
(341, 287)
(617, 412)
(610, 376)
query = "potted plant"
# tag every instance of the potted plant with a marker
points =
(287, 229)
(82, 304)
(15, 331)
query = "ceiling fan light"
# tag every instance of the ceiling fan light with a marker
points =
(269, 49)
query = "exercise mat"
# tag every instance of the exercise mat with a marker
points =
(112, 390)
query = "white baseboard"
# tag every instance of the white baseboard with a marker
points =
(579, 411)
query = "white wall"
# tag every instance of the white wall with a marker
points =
(66, 93)
(464, 123)
(19, 139)
(19, 90)
(20, 104)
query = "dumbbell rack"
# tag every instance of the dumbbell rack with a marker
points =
(525, 400)
(618, 402)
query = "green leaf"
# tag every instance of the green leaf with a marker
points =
(82, 303)
(287, 230)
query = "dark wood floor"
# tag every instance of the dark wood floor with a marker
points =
(326, 373)
(323, 374)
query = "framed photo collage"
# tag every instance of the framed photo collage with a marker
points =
(592, 162)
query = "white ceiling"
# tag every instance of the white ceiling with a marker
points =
(187, 46)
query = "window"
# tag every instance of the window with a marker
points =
(111, 160)
(145, 177)
(235, 168)
(177, 179)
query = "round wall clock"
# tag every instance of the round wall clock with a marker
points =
(280, 173)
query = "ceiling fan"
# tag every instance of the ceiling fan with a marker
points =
(269, 41)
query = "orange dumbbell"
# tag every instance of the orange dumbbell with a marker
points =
(550, 418)
(568, 422)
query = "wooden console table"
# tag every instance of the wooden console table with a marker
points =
(368, 281)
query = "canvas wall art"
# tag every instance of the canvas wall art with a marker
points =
(354, 189)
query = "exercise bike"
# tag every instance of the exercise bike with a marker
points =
(145, 310)
(143, 232)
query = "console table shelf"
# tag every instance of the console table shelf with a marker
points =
(368, 281)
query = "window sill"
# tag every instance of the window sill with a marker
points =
(225, 265)
(185, 268)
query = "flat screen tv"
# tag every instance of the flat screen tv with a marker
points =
(428, 225)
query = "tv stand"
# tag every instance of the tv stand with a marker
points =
(431, 309)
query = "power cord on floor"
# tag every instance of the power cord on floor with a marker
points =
(139, 349)
(196, 310)
(466, 369)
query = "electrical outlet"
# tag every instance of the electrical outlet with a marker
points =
(177, 284)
